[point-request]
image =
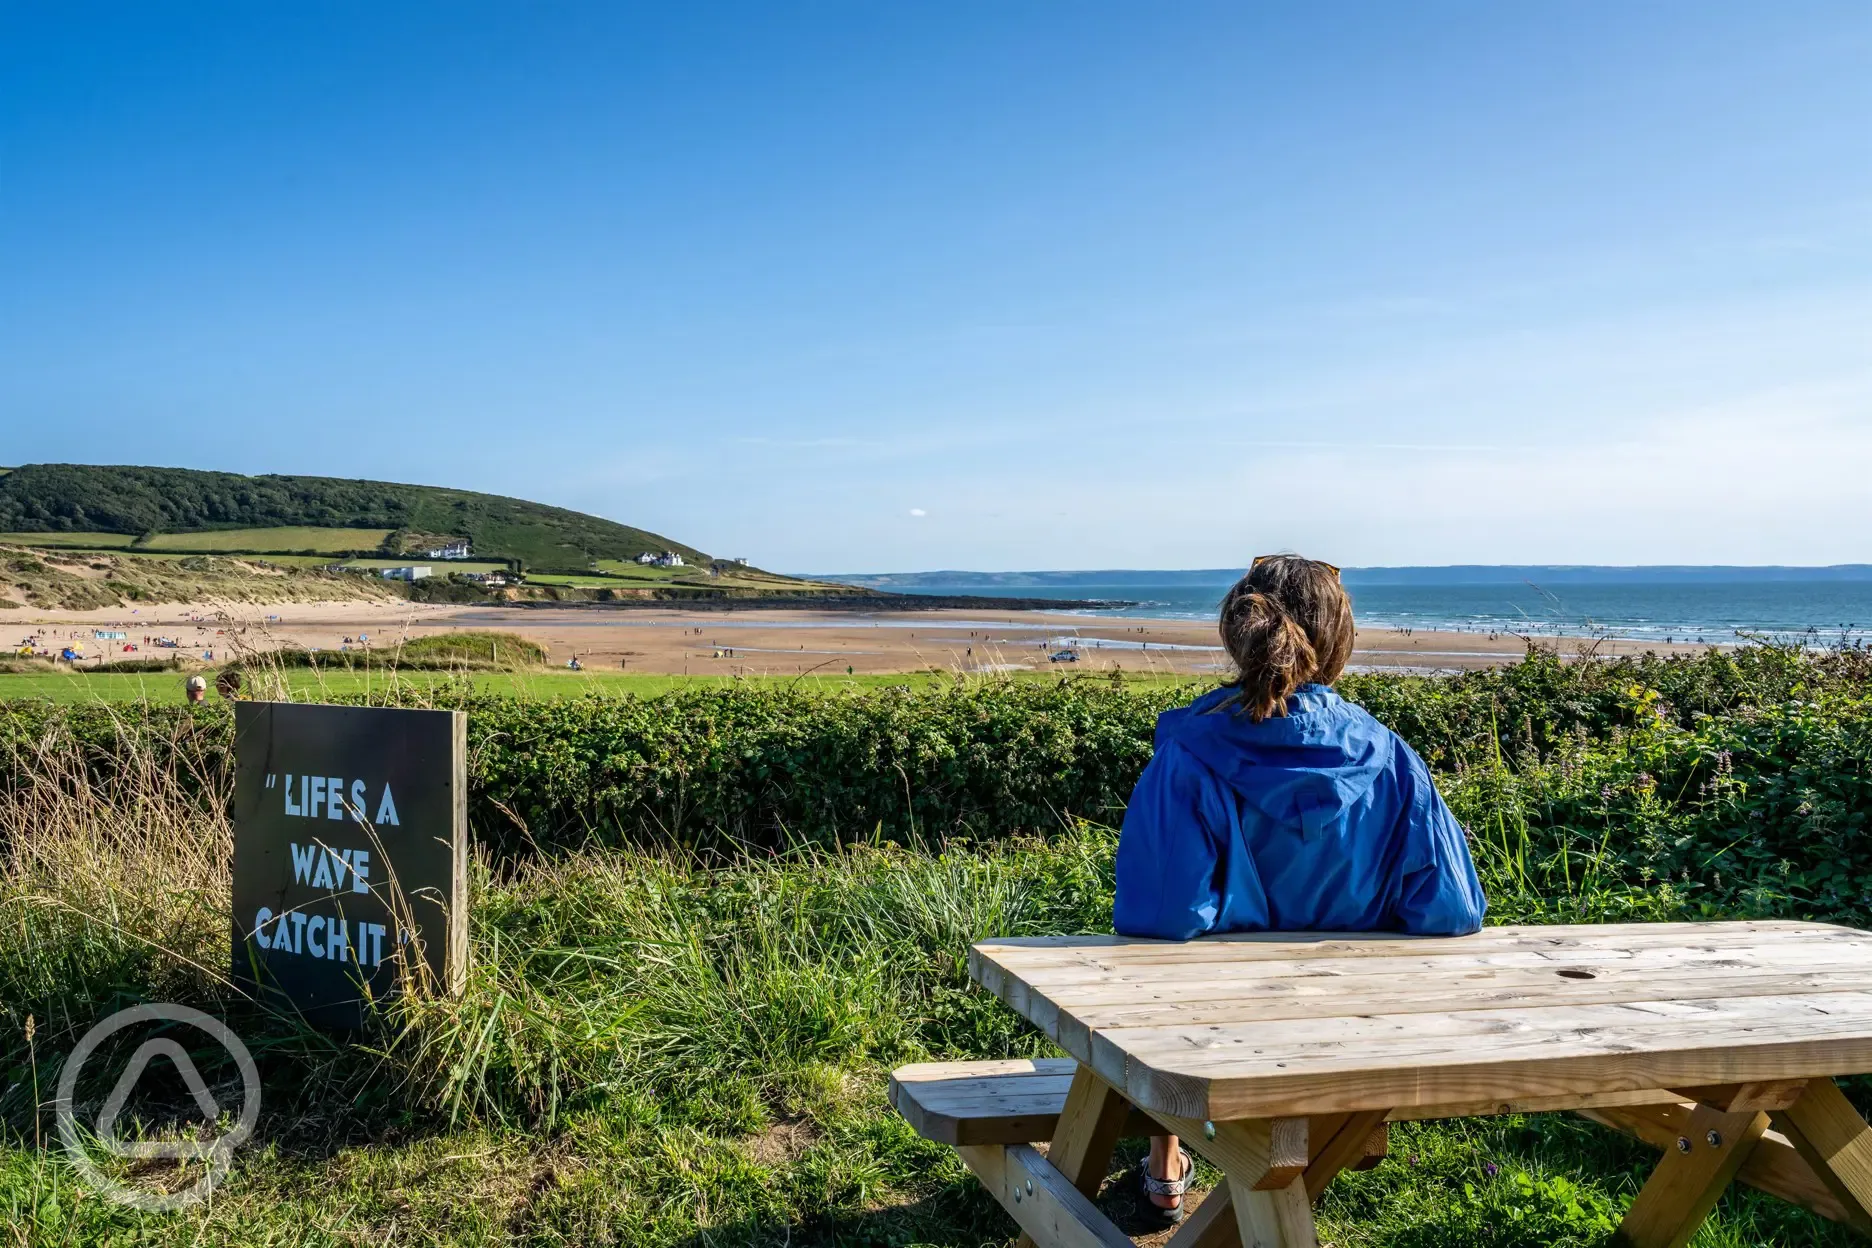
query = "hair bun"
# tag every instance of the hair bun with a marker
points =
(1286, 623)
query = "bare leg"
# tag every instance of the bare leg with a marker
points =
(1166, 1162)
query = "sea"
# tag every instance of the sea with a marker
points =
(1825, 609)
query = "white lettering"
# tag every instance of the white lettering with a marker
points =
(360, 871)
(318, 796)
(298, 928)
(357, 800)
(322, 878)
(386, 809)
(314, 938)
(259, 928)
(334, 798)
(302, 862)
(291, 809)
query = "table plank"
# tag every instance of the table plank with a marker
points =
(1040, 951)
(1431, 995)
(1380, 1061)
(1204, 974)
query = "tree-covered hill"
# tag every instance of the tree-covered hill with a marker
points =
(55, 498)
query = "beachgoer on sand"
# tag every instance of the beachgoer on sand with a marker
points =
(1273, 804)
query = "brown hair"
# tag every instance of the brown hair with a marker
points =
(1285, 624)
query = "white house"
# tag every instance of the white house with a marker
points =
(407, 574)
(453, 550)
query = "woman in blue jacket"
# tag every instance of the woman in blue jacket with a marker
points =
(1272, 804)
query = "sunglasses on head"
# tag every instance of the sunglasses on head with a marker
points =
(1261, 559)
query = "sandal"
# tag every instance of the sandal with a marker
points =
(1150, 1185)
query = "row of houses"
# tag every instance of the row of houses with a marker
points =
(668, 559)
(418, 572)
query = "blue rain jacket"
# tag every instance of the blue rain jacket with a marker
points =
(1319, 820)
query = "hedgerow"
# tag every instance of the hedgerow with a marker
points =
(1757, 757)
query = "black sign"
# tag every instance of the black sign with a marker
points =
(350, 854)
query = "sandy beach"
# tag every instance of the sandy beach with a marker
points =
(756, 642)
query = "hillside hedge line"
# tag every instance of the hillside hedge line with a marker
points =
(1728, 762)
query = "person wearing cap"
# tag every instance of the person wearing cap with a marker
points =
(197, 689)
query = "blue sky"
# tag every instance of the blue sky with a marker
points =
(850, 287)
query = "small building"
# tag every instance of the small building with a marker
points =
(494, 580)
(668, 559)
(407, 574)
(646, 558)
(453, 550)
(105, 634)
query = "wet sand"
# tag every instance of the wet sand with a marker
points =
(769, 641)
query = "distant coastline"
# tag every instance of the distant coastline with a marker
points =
(1669, 603)
(910, 601)
(1449, 574)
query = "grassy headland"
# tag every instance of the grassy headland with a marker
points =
(365, 525)
(66, 498)
(707, 923)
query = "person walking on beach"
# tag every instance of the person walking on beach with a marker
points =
(1273, 804)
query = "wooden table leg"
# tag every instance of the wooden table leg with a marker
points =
(1346, 1147)
(1834, 1141)
(1280, 1219)
(1690, 1179)
(1087, 1132)
(1244, 1151)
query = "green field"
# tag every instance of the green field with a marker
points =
(288, 538)
(575, 581)
(260, 541)
(69, 541)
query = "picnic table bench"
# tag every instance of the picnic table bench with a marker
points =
(1280, 1058)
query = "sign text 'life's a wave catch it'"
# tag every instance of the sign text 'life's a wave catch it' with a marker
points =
(350, 854)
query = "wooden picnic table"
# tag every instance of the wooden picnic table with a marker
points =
(1280, 1058)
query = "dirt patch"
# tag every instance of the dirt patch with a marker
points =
(783, 1142)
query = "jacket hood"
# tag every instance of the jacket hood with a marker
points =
(1304, 769)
